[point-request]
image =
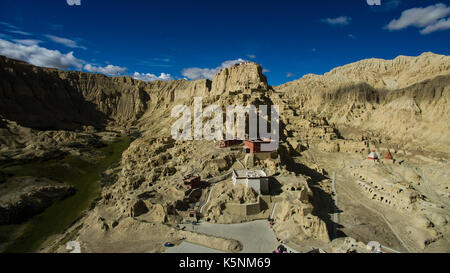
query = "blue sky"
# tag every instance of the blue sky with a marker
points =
(192, 39)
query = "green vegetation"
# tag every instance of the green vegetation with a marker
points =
(3, 177)
(83, 175)
(7, 233)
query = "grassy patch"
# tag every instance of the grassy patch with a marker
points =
(3, 177)
(83, 175)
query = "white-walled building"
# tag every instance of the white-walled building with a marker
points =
(373, 156)
(256, 179)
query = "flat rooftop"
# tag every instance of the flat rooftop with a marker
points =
(250, 173)
(259, 140)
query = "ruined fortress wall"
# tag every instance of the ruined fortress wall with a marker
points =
(236, 209)
(252, 209)
(394, 195)
(244, 209)
(345, 146)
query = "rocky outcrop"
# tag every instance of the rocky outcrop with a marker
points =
(222, 244)
(346, 245)
(20, 144)
(294, 220)
(24, 197)
(226, 202)
(243, 76)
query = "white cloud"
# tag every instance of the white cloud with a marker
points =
(195, 73)
(338, 21)
(251, 56)
(30, 52)
(351, 36)
(265, 70)
(151, 77)
(28, 42)
(39, 56)
(8, 25)
(429, 19)
(230, 63)
(289, 74)
(14, 29)
(156, 62)
(442, 24)
(20, 32)
(166, 60)
(110, 70)
(64, 41)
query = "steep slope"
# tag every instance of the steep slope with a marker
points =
(44, 98)
(405, 99)
(53, 99)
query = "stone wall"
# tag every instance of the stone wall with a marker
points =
(244, 209)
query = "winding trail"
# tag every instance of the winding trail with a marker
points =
(210, 181)
(207, 200)
(241, 163)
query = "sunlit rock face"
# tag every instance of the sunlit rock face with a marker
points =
(240, 77)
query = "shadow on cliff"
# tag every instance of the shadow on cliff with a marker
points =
(323, 202)
(49, 99)
(66, 115)
(2, 124)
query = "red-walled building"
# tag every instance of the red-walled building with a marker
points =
(192, 181)
(388, 157)
(255, 145)
(229, 143)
